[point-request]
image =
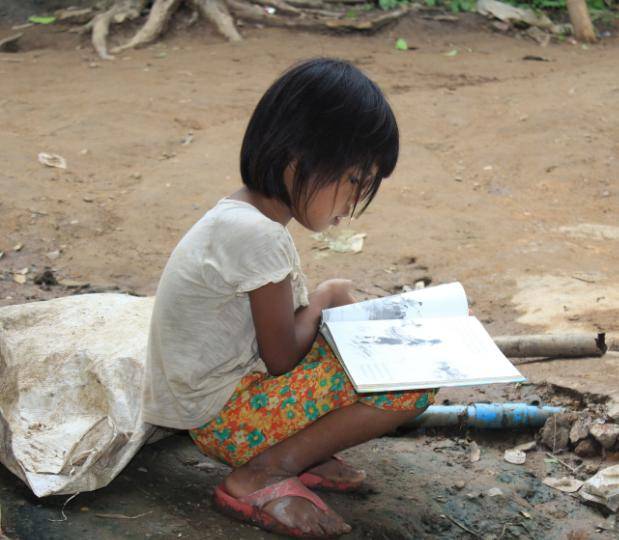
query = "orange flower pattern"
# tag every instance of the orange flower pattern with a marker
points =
(264, 410)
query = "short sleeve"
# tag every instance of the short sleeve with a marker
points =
(248, 254)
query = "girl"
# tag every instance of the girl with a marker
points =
(234, 355)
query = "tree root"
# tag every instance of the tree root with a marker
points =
(306, 14)
(121, 11)
(159, 15)
(216, 11)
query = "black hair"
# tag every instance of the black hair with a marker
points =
(325, 116)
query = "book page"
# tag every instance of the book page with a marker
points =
(447, 300)
(422, 353)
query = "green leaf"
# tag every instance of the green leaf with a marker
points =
(453, 52)
(431, 3)
(401, 44)
(41, 20)
(455, 6)
(351, 14)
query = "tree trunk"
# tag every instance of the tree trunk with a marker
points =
(579, 15)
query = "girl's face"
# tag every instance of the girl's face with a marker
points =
(331, 204)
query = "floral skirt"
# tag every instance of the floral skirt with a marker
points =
(265, 410)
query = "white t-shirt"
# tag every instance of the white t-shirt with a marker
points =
(202, 339)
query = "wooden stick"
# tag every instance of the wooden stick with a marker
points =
(461, 525)
(552, 345)
(566, 465)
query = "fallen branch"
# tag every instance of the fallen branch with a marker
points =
(123, 516)
(552, 345)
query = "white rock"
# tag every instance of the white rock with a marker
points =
(603, 488)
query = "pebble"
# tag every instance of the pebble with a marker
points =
(495, 492)
(605, 434)
(586, 448)
(580, 429)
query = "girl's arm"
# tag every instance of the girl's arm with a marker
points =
(285, 336)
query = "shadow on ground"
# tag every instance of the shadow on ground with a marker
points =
(420, 485)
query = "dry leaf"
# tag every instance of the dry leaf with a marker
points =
(346, 241)
(566, 484)
(52, 160)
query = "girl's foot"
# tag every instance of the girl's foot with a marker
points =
(339, 472)
(293, 512)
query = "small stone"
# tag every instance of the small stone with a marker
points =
(142, 469)
(19, 278)
(475, 452)
(53, 255)
(495, 492)
(87, 199)
(605, 434)
(1, 254)
(136, 175)
(613, 411)
(84, 509)
(459, 485)
(587, 448)
(556, 431)
(18, 247)
(580, 429)
(45, 278)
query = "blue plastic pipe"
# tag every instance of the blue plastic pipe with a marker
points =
(486, 415)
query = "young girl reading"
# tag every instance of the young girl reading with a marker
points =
(234, 354)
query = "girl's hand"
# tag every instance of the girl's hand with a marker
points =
(337, 291)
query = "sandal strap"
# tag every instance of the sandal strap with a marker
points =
(290, 487)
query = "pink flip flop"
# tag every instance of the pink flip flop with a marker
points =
(249, 507)
(315, 481)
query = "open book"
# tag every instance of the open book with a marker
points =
(418, 339)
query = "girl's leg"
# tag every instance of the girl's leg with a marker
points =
(335, 431)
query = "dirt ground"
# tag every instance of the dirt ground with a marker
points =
(507, 182)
